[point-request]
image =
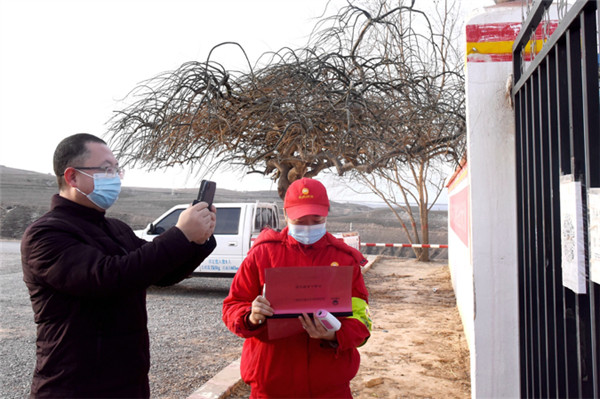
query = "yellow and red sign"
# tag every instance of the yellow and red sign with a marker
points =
(494, 42)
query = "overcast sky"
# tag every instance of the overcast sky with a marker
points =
(65, 65)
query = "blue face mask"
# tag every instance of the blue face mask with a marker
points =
(307, 234)
(106, 190)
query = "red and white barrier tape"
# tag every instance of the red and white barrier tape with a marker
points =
(372, 244)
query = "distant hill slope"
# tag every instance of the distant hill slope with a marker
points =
(25, 196)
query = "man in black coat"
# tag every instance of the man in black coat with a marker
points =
(87, 277)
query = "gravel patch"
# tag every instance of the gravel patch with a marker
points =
(17, 329)
(189, 343)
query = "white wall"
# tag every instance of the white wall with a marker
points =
(459, 254)
(494, 339)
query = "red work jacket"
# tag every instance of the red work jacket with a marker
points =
(297, 365)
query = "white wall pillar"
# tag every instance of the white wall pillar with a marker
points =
(492, 179)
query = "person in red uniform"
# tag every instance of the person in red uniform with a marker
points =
(314, 362)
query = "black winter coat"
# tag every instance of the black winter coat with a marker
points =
(87, 277)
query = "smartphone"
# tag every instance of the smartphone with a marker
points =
(206, 193)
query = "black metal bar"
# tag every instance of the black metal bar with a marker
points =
(532, 267)
(591, 136)
(523, 283)
(554, 223)
(562, 166)
(530, 281)
(537, 246)
(567, 168)
(578, 109)
(544, 229)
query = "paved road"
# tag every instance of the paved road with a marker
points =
(17, 330)
(189, 342)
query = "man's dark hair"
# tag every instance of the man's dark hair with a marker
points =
(71, 150)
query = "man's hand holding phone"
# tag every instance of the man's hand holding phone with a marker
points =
(198, 221)
(206, 193)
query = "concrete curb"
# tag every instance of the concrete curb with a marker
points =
(221, 385)
(226, 380)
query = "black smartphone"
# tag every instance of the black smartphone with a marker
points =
(206, 193)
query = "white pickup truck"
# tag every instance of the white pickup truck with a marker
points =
(238, 224)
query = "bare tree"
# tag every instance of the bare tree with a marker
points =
(295, 117)
(418, 75)
(378, 88)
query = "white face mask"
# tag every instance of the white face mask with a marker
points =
(307, 234)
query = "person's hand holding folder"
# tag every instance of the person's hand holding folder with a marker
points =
(261, 309)
(315, 328)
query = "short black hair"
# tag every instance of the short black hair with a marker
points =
(72, 149)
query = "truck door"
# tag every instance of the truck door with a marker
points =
(229, 253)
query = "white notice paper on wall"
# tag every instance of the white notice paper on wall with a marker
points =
(594, 233)
(572, 239)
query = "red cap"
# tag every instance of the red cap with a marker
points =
(306, 197)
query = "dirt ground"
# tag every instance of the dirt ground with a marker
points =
(417, 347)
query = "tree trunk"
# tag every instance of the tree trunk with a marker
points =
(424, 219)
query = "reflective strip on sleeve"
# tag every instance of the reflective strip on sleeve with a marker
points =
(360, 312)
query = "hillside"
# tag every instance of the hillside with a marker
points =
(25, 196)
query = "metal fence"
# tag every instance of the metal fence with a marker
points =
(557, 134)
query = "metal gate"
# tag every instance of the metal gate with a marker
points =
(557, 134)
